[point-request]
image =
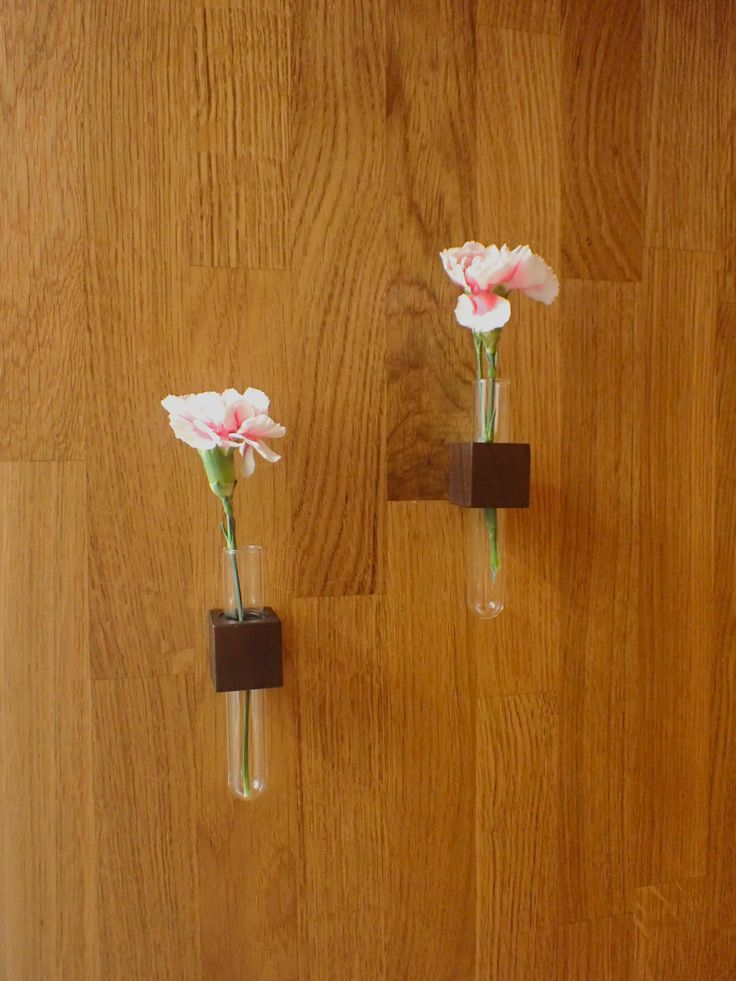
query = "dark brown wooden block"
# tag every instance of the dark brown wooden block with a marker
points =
(489, 475)
(245, 654)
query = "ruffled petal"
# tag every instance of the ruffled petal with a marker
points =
(482, 312)
(262, 427)
(257, 399)
(195, 436)
(453, 268)
(533, 276)
(249, 460)
(266, 452)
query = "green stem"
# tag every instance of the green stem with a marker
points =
(490, 346)
(232, 549)
(478, 355)
(244, 763)
(494, 554)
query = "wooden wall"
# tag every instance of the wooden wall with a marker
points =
(245, 192)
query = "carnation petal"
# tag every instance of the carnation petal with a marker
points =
(266, 452)
(262, 426)
(490, 314)
(533, 276)
(453, 268)
(185, 430)
(249, 461)
(546, 291)
(257, 399)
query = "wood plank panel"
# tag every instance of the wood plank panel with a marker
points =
(257, 843)
(343, 712)
(671, 937)
(42, 302)
(47, 872)
(534, 16)
(516, 827)
(598, 582)
(518, 174)
(431, 171)
(430, 785)
(670, 673)
(602, 171)
(248, 853)
(226, 192)
(520, 651)
(683, 106)
(336, 335)
(240, 195)
(139, 518)
(598, 950)
(726, 170)
(146, 846)
(722, 791)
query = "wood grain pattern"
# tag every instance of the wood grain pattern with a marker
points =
(726, 161)
(602, 187)
(671, 938)
(248, 857)
(47, 873)
(138, 490)
(722, 791)
(670, 673)
(516, 826)
(144, 814)
(430, 784)
(42, 234)
(336, 338)
(542, 16)
(602, 949)
(429, 90)
(240, 197)
(518, 175)
(226, 192)
(342, 787)
(598, 574)
(684, 103)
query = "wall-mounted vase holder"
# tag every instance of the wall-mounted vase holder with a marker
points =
(486, 477)
(245, 662)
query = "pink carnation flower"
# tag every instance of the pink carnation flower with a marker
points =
(229, 421)
(488, 274)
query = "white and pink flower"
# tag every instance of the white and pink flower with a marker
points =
(230, 420)
(488, 274)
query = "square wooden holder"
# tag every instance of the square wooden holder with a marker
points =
(489, 475)
(245, 654)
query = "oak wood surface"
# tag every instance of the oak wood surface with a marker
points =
(240, 142)
(602, 187)
(429, 90)
(598, 575)
(48, 897)
(429, 784)
(42, 233)
(516, 831)
(226, 192)
(335, 331)
(688, 126)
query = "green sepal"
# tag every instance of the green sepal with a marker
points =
(219, 465)
(490, 341)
